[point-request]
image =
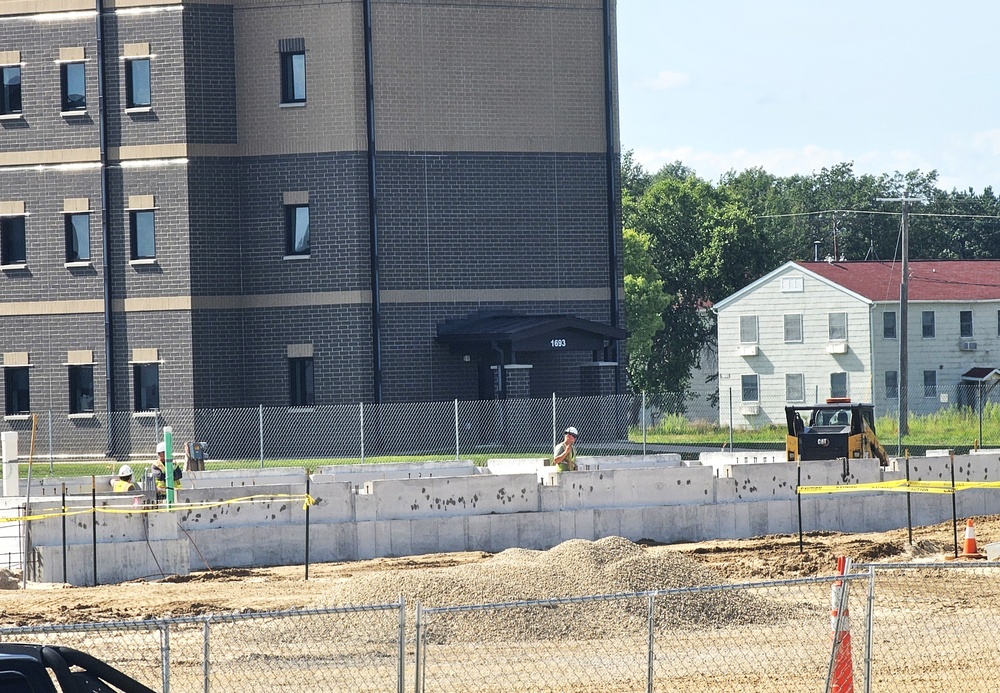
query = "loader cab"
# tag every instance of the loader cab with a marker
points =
(838, 428)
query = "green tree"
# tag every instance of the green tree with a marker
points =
(645, 303)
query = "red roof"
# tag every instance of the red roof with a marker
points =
(930, 280)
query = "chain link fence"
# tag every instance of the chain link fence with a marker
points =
(619, 424)
(346, 648)
(901, 627)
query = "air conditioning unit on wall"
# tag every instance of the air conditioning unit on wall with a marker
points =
(967, 345)
(836, 348)
(749, 409)
(748, 350)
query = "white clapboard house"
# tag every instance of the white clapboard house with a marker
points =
(812, 330)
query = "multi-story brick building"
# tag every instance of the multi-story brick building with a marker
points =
(261, 202)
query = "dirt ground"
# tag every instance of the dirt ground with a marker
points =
(268, 589)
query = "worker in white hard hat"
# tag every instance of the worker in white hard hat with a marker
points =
(564, 456)
(160, 471)
(123, 483)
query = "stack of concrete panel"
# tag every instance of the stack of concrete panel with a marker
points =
(359, 474)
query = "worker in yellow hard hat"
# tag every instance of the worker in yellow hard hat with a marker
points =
(123, 483)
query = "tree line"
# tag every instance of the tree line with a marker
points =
(688, 243)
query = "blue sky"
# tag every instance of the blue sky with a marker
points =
(795, 86)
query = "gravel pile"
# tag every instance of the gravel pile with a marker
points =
(575, 568)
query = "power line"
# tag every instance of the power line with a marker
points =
(876, 212)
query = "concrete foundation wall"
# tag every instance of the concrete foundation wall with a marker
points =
(486, 512)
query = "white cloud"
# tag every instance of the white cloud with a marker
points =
(668, 80)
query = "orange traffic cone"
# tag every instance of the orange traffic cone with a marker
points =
(842, 671)
(969, 550)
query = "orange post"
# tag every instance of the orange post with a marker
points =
(842, 671)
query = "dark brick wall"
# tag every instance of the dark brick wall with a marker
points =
(170, 333)
(210, 74)
(338, 223)
(42, 126)
(216, 241)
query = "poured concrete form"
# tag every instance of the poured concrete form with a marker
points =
(490, 512)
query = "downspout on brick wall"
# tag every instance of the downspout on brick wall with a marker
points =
(102, 120)
(613, 193)
(373, 207)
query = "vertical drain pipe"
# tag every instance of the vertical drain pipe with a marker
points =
(373, 207)
(102, 120)
(613, 193)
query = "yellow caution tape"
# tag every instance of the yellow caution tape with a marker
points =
(901, 485)
(145, 509)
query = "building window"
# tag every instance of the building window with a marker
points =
(74, 86)
(791, 285)
(838, 385)
(930, 383)
(12, 244)
(297, 230)
(838, 327)
(748, 329)
(793, 328)
(81, 389)
(293, 76)
(795, 387)
(146, 386)
(10, 96)
(16, 389)
(965, 323)
(301, 390)
(138, 91)
(78, 237)
(927, 324)
(891, 385)
(143, 234)
(889, 324)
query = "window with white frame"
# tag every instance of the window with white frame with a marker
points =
(16, 390)
(293, 71)
(138, 83)
(81, 389)
(13, 244)
(930, 384)
(748, 329)
(73, 80)
(965, 323)
(889, 324)
(750, 388)
(891, 385)
(795, 387)
(927, 328)
(10, 91)
(838, 385)
(838, 327)
(146, 386)
(793, 328)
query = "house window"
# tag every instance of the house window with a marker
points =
(138, 91)
(301, 390)
(748, 329)
(965, 323)
(750, 391)
(930, 383)
(793, 328)
(891, 385)
(297, 230)
(143, 234)
(146, 386)
(16, 389)
(74, 86)
(838, 385)
(795, 387)
(78, 237)
(10, 96)
(81, 389)
(12, 244)
(889, 324)
(927, 324)
(838, 327)
(293, 76)
(791, 284)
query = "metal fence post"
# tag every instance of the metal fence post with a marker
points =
(165, 656)
(649, 649)
(52, 452)
(260, 432)
(456, 430)
(870, 640)
(418, 650)
(553, 421)
(206, 661)
(642, 418)
(361, 407)
(401, 687)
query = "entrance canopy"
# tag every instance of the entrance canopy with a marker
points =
(485, 332)
(981, 374)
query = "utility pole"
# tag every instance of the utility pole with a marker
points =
(903, 379)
